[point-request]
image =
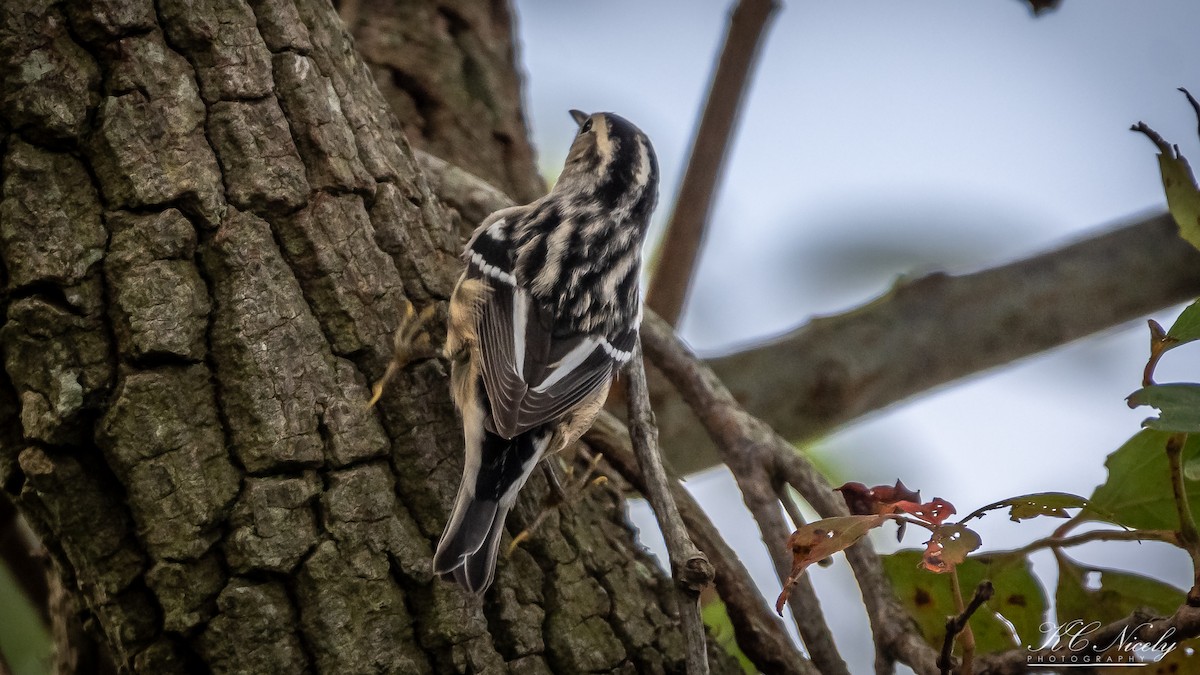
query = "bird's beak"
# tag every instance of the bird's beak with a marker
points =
(579, 116)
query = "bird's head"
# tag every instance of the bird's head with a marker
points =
(612, 162)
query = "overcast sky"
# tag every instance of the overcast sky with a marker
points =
(890, 137)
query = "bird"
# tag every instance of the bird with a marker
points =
(540, 323)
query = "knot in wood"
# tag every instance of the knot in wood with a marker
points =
(697, 573)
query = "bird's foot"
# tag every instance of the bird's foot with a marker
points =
(561, 495)
(411, 343)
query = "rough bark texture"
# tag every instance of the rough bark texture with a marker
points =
(449, 70)
(209, 220)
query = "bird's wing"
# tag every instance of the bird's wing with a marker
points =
(532, 376)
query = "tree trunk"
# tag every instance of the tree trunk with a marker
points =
(448, 69)
(209, 220)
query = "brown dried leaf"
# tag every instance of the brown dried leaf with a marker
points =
(819, 540)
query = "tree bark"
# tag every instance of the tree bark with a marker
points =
(449, 69)
(209, 221)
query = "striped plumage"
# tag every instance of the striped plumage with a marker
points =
(542, 319)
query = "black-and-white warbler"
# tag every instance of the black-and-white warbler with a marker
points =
(540, 323)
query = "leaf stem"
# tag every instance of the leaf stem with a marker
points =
(1160, 342)
(1188, 536)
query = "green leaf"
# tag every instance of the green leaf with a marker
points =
(1053, 504)
(1187, 327)
(1191, 469)
(948, 546)
(716, 617)
(1138, 489)
(1178, 404)
(1183, 659)
(1183, 199)
(24, 640)
(1117, 594)
(1019, 599)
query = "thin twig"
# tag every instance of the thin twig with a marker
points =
(784, 493)
(1057, 541)
(746, 446)
(959, 624)
(754, 482)
(759, 633)
(689, 567)
(685, 231)
(968, 638)
(896, 635)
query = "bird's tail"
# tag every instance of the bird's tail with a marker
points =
(469, 545)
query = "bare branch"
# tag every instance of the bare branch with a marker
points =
(934, 330)
(473, 197)
(1059, 541)
(783, 492)
(747, 441)
(746, 446)
(755, 481)
(689, 567)
(759, 633)
(685, 232)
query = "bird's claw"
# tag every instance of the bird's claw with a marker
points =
(560, 495)
(410, 343)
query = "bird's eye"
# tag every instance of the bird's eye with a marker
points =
(587, 126)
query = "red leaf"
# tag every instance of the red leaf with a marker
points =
(935, 512)
(890, 494)
(858, 498)
(865, 501)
